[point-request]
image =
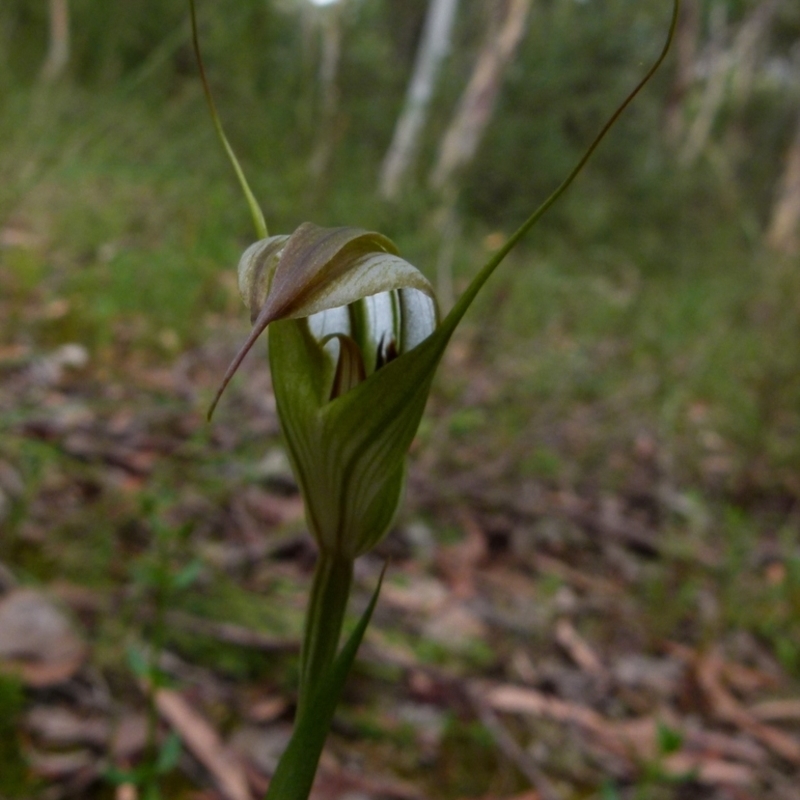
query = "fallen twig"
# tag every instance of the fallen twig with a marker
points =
(205, 744)
(726, 707)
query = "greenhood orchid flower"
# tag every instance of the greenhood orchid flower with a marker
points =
(342, 306)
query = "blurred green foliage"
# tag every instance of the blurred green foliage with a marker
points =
(131, 97)
(15, 778)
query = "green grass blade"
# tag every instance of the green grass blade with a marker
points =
(295, 773)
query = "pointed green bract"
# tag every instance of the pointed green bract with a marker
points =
(295, 773)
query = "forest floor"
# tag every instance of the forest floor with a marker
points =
(562, 617)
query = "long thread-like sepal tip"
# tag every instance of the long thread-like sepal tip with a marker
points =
(215, 402)
(259, 326)
(255, 210)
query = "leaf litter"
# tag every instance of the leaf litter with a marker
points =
(511, 605)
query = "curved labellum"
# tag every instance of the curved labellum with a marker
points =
(349, 283)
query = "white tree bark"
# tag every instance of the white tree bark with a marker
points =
(477, 103)
(58, 49)
(436, 37)
(719, 60)
(328, 89)
(783, 234)
(731, 71)
(749, 46)
(687, 38)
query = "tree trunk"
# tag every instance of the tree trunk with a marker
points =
(435, 43)
(748, 48)
(714, 93)
(329, 92)
(477, 103)
(783, 234)
(58, 49)
(687, 38)
(730, 71)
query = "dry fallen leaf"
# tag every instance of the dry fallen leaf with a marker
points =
(577, 648)
(334, 783)
(525, 796)
(419, 594)
(126, 791)
(37, 640)
(260, 745)
(455, 627)
(710, 771)
(266, 709)
(522, 700)
(638, 738)
(60, 726)
(129, 736)
(58, 766)
(715, 758)
(459, 562)
(272, 509)
(726, 707)
(776, 711)
(744, 679)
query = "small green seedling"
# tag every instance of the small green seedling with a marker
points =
(355, 341)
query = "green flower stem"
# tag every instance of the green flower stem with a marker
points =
(295, 773)
(329, 594)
